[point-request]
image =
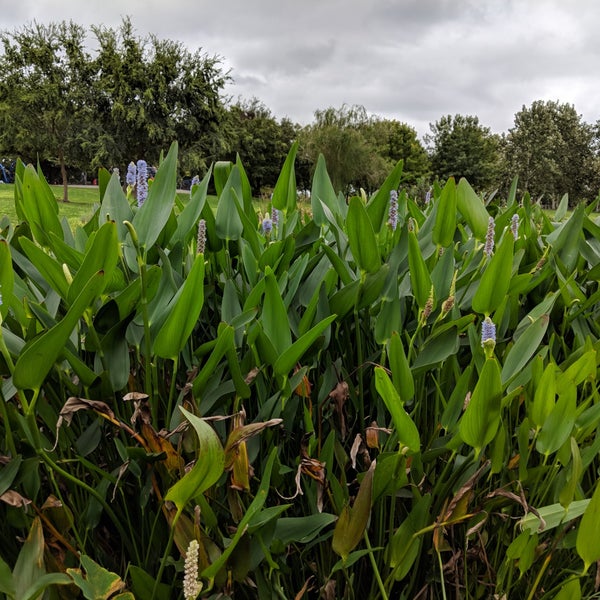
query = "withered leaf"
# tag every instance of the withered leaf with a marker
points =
(14, 498)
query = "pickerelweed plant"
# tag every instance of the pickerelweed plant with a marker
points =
(352, 401)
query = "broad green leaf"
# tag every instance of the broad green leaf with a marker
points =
(152, 217)
(274, 315)
(227, 220)
(361, 237)
(209, 465)
(558, 426)
(37, 358)
(567, 493)
(187, 219)
(437, 349)
(481, 418)
(544, 399)
(284, 193)
(101, 256)
(50, 269)
(7, 585)
(40, 207)
(562, 209)
(97, 583)
(405, 545)
(352, 522)
(322, 191)
(378, 205)
(445, 218)
(30, 562)
(143, 584)
(408, 434)
(184, 311)
(565, 239)
(495, 281)
(553, 516)
(254, 508)
(222, 172)
(292, 355)
(570, 590)
(115, 207)
(588, 535)
(420, 279)
(39, 585)
(471, 206)
(525, 347)
(7, 278)
(301, 530)
(401, 374)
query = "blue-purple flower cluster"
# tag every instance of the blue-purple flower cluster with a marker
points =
(393, 214)
(142, 182)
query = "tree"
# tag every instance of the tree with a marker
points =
(396, 141)
(260, 140)
(551, 150)
(460, 146)
(46, 78)
(150, 92)
(348, 138)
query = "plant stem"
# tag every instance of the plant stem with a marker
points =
(375, 567)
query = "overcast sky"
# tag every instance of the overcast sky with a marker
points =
(411, 60)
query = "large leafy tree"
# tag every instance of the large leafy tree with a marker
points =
(394, 141)
(460, 146)
(551, 150)
(46, 100)
(260, 140)
(150, 92)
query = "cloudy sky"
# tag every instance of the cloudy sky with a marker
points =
(411, 60)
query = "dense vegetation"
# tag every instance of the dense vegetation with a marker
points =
(372, 398)
(79, 110)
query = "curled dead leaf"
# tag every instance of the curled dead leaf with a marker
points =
(13, 498)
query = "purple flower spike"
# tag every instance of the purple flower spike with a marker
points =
(142, 182)
(489, 237)
(393, 214)
(130, 178)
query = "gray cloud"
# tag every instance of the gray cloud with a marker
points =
(411, 60)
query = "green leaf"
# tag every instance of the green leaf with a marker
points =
(481, 418)
(558, 426)
(101, 256)
(471, 206)
(98, 583)
(40, 207)
(544, 398)
(322, 191)
(115, 207)
(7, 585)
(445, 218)
(153, 215)
(495, 281)
(402, 376)
(289, 357)
(284, 193)
(420, 279)
(525, 347)
(189, 216)
(301, 530)
(222, 172)
(7, 277)
(408, 434)
(553, 515)
(361, 237)
(37, 357)
(352, 522)
(227, 220)
(378, 205)
(588, 535)
(184, 311)
(405, 545)
(569, 590)
(49, 268)
(209, 465)
(253, 509)
(274, 315)
(30, 562)
(35, 590)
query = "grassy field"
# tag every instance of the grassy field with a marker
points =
(83, 201)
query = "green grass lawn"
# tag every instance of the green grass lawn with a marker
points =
(83, 201)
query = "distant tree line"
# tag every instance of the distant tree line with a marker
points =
(75, 110)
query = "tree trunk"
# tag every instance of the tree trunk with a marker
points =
(63, 174)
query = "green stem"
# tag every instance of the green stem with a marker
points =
(90, 490)
(375, 567)
(359, 350)
(165, 556)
